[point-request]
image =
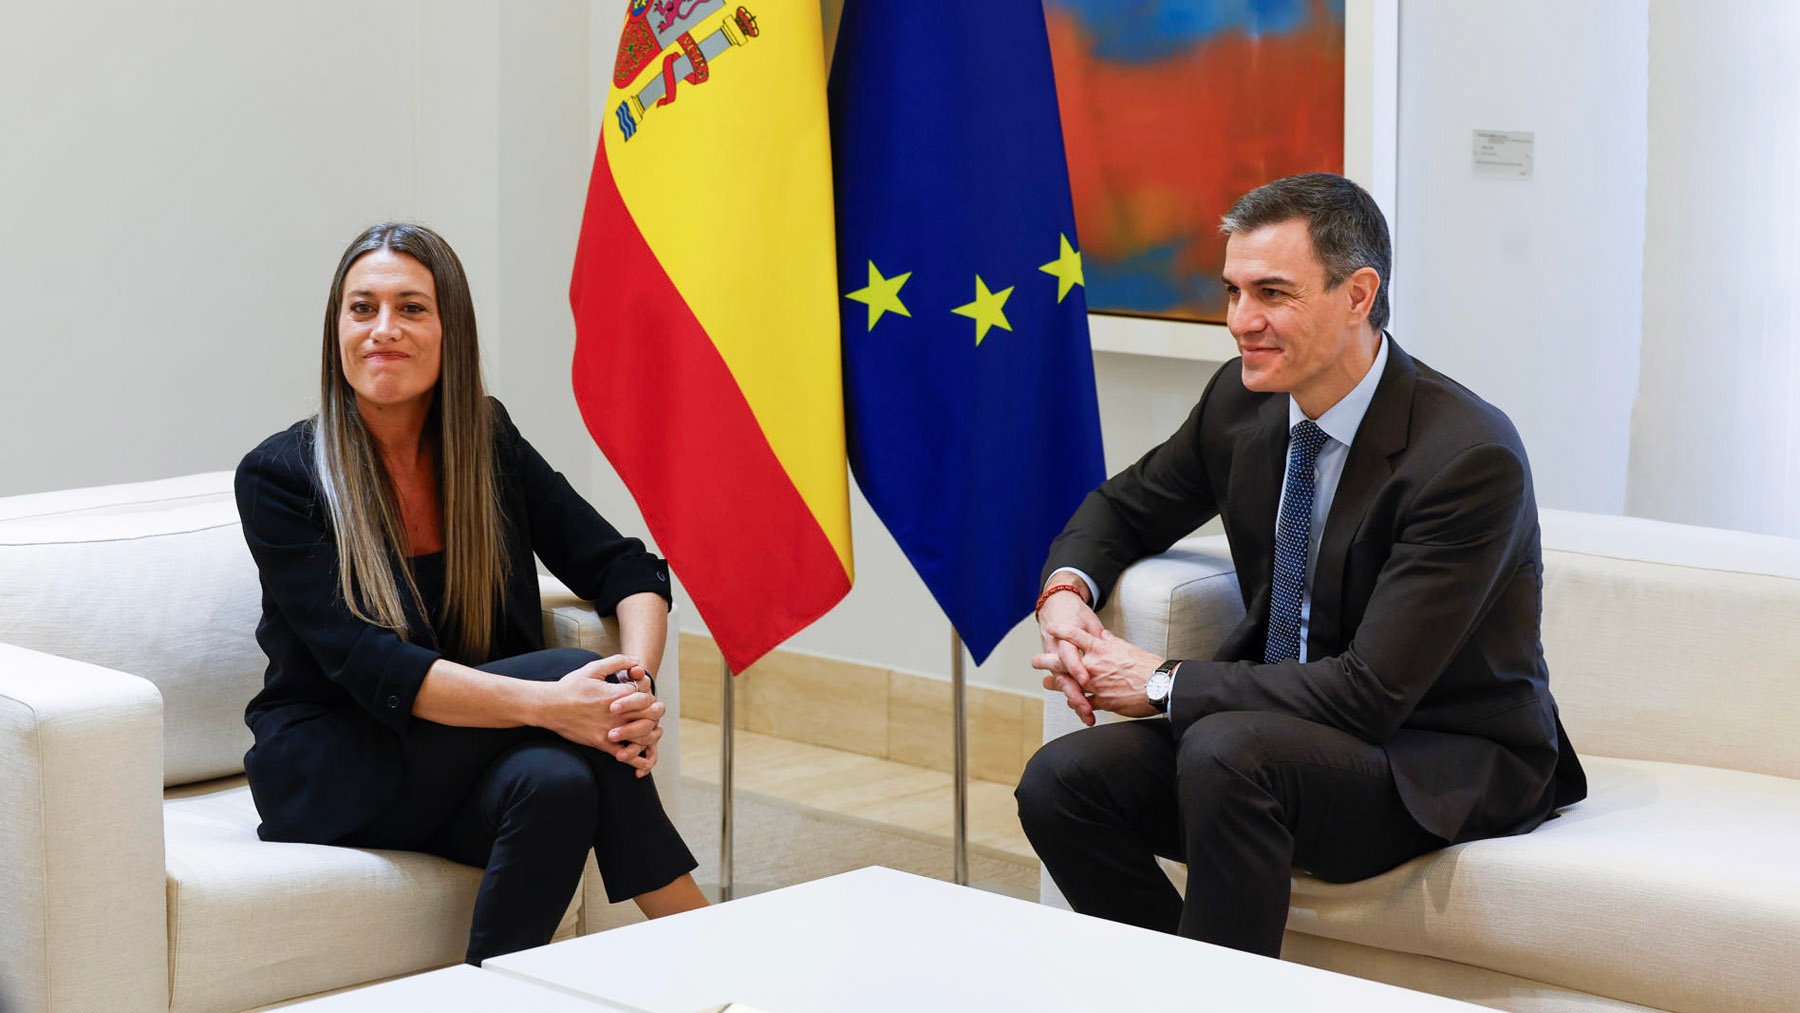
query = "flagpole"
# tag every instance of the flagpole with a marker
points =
(726, 720)
(960, 752)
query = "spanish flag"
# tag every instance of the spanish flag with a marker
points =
(707, 360)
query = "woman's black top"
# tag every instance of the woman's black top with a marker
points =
(338, 692)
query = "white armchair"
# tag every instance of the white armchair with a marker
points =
(1675, 885)
(131, 876)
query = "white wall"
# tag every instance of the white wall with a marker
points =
(180, 179)
(545, 152)
(1529, 292)
(1716, 436)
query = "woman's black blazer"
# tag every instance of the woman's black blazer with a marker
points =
(338, 693)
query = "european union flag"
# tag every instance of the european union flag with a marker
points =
(969, 380)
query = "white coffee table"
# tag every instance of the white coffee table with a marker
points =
(458, 989)
(877, 940)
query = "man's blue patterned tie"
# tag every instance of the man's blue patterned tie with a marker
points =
(1292, 533)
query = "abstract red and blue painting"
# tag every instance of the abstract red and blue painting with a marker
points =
(1170, 110)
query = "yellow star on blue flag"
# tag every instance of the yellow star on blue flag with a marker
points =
(881, 295)
(1066, 268)
(988, 310)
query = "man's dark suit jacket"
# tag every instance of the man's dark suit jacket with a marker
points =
(338, 693)
(1426, 594)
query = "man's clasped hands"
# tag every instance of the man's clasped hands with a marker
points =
(1091, 666)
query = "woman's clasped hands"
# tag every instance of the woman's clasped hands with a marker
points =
(620, 718)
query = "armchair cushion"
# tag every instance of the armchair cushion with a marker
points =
(252, 922)
(1672, 886)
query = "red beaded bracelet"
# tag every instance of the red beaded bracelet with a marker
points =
(1042, 598)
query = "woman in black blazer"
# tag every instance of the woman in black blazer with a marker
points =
(409, 702)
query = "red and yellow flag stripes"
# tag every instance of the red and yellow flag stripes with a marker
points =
(707, 358)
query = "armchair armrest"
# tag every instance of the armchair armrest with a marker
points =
(571, 622)
(1180, 604)
(82, 876)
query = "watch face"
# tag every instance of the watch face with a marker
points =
(1157, 689)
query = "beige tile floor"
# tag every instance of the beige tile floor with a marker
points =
(914, 799)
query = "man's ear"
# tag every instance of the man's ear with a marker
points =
(1362, 287)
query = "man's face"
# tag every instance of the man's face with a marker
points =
(1296, 336)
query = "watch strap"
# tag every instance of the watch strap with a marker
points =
(1167, 668)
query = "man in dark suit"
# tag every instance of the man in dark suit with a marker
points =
(1386, 692)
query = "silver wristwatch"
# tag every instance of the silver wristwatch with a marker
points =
(1161, 681)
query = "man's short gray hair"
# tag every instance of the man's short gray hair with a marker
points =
(1347, 228)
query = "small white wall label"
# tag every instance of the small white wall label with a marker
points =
(1503, 153)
